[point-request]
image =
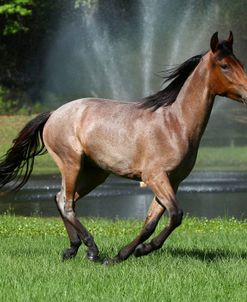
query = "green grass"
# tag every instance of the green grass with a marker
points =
(209, 158)
(232, 158)
(203, 260)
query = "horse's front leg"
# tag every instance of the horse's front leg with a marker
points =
(154, 213)
(164, 191)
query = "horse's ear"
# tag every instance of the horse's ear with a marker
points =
(214, 42)
(230, 39)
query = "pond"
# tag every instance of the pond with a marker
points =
(202, 194)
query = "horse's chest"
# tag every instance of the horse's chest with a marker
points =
(185, 166)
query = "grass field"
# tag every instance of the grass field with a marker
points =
(209, 158)
(203, 260)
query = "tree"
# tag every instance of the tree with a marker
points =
(14, 14)
(26, 28)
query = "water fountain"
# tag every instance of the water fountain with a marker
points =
(91, 57)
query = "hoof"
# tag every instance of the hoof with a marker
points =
(69, 254)
(139, 251)
(92, 256)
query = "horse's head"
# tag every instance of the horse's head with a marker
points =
(228, 77)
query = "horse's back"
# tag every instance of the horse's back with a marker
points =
(89, 111)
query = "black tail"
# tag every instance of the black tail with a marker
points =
(17, 164)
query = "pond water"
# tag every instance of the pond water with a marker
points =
(202, 194)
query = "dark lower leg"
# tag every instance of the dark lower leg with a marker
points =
(72, 250)
(86, 237)
(88, 179)
(75, 241)
(127, 250)
(76, 231)
(157, 242)
(154, 213)
(74, 238)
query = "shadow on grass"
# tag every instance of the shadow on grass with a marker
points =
(207, 255)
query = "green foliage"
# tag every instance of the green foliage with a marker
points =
(7, 105)
(19, 7)
(14, 13)
(14, 105)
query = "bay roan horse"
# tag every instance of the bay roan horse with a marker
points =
(154, 140)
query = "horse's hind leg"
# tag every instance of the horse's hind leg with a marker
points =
(74, 238)
(77, 184)
(90, 178)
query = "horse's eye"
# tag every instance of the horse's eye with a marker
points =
(224, 66)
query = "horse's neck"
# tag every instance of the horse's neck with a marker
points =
(194, 104)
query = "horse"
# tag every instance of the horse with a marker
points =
(154, 140)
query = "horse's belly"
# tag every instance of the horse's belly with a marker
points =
(117, 159)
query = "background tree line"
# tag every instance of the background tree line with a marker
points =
(27, 30)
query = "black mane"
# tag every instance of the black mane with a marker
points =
(168, 95)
